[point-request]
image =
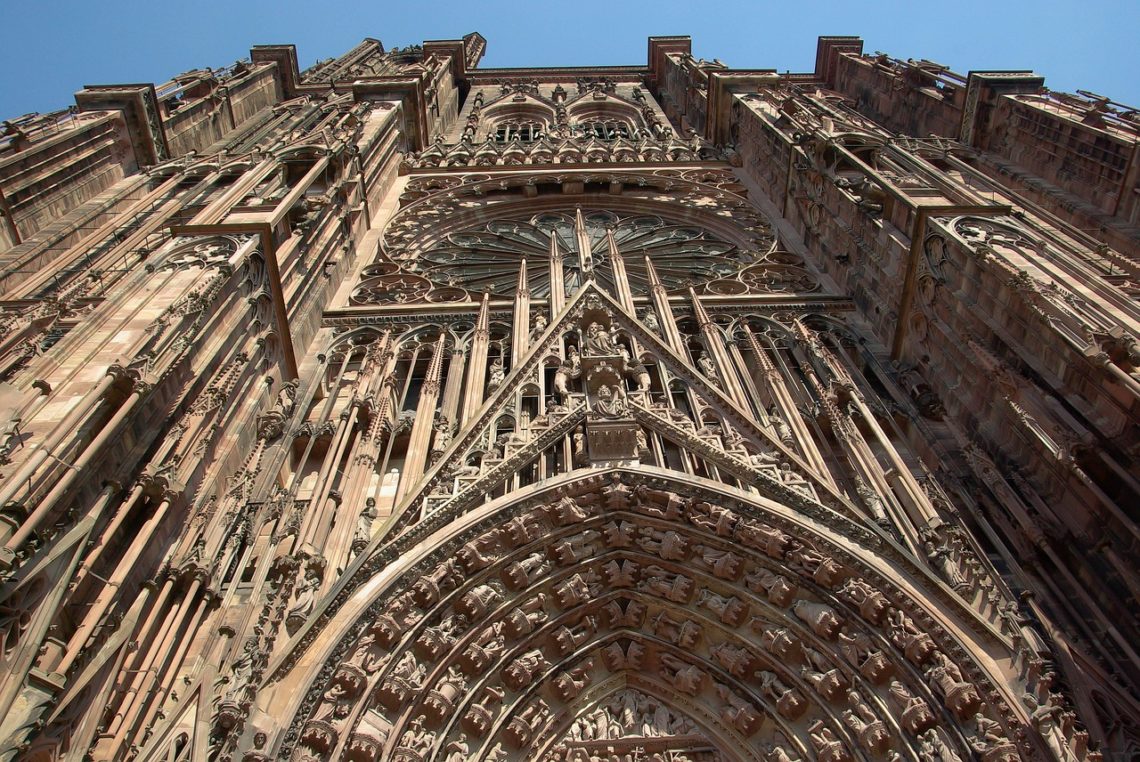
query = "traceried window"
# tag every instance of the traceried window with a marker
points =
(522, 131)
(603, 130)
(486, 257)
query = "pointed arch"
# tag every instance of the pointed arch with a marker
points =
(524, 597)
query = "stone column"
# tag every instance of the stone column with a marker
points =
(110, 591)
(714, 345)
(160, 647)
(321, 506)
(74, 421)
(785, 403)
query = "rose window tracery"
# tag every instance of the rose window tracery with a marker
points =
(487, 257)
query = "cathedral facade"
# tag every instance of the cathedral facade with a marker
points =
(398, 409)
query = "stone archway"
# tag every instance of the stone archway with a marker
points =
(776, 635)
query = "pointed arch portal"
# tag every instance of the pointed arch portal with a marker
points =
(636, 610)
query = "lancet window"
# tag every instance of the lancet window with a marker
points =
(611, 129)
(523, 131)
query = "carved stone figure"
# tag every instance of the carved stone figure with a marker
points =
(304, 600)
(828, 748)
(737, 712)
(942, 558)
(657, 581)
(363, 532)
(766, 539)
(780, 426)
(775, 586)
(525, 572)
(722, 563)
(242, 668)
(730, 609)
(819, 616)
(599, 342)
(708, 368)
(684, 677)
(789, 703)
(959, 694)
(457, 750)
(685, 633)
(498, 374)
(932, 747)
(665, 543)
(915, 715)
(611, 402)
(416, 739)
(735, 660)
(571, 369)
(524, 669)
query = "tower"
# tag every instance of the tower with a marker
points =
(399, 409)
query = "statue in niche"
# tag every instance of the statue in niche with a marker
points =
(498, 375)
(872, 500)
(599, 342)
(642, 442)
(611, 402)
(1047, 719)
(442, 437)
(649, 319)
(304, 601)
(708, 368)
(242, 668)
(779, 425)
(941, 557)
(363, 534)
(540, 323)
(286, 398)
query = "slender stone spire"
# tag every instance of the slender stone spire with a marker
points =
(418, 443)
(477, 366)
(557, 278)
(585, 248)
(520, 338)
(660, 298)
(621, 278)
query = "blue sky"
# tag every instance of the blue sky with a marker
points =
(49, 49)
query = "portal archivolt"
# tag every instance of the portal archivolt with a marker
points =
(637, 611)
